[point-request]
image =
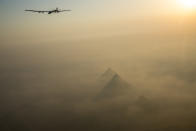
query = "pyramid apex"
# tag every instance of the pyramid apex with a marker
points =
(109, 72)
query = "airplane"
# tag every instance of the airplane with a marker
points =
(49, 12)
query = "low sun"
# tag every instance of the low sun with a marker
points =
(190, 4)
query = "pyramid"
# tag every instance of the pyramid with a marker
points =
(107, 76)
(114, 87)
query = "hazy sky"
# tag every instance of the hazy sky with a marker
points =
(88, 18)
(50, 65)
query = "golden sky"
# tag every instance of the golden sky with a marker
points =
(92, 18)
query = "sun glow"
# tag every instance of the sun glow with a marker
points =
(189, 4)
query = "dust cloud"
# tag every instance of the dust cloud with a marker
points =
(139, 83)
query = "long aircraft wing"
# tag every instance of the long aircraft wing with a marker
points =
(64, 10)
(38, 11)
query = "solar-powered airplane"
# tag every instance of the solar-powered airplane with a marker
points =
(49, 12)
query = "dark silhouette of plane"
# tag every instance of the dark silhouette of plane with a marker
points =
(49, 12)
